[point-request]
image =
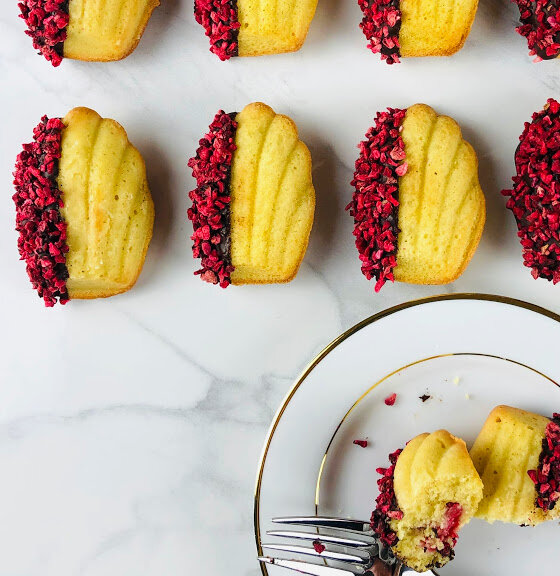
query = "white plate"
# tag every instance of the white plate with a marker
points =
(469, 353)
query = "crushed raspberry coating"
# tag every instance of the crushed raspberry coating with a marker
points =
(547, 477)
(387, 508)
(42, 231)
(391, 399)
(210, 210)
(318, 546)
(540, 24)
(361, 443)
(219, 18)
(47, 21)
(381, 25)
(535, 197)
(375, 202)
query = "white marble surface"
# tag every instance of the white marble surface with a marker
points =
(130, 428)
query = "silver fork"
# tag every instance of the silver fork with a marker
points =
(354, 548)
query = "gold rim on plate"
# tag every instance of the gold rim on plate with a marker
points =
(330, 347)
(363, 396)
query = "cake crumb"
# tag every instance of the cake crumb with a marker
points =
(456, 380)
(390, 400)
(319, 548)
(361, 443)
(424, 397)
(467, 396)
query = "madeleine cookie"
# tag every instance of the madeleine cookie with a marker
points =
(517, 454)
(84, 212)
(404, 28)
(534, 199)
(86, 29)
(429, 492)
(540, 25)
(253, 28)
(418, 208)
(252, 210)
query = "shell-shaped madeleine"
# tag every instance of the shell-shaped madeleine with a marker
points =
(436, 486)
(274, 26)
(442, 207)
(105, 30)
(272, 197)
(108, 207)
(435, 28)
(435, 467)
(509, 445)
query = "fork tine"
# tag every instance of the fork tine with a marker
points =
(363, 559)
(357, 542)
(322, 522)
(310, 569)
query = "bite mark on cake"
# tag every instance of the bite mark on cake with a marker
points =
(220, 20)
(445, 536)
(535, 197)
(381, 25)
(547, 477)
(540, 25)
(442, 538)
(375, 203)
(42, 230)
(210, 210)
(47, 23)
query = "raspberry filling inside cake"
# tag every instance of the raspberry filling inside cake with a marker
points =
(47, 23)
(219, 19)
(210, 211)
(547, 477)
(444, 537)
(534, 199)
(42, 230)
(375, 204)
(436, 538)
(381, 25)
(540, 24)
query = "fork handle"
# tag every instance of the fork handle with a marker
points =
(379, 568)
